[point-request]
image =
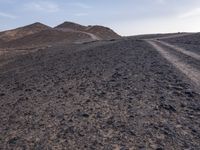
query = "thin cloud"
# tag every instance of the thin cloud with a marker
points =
(81, 5)
(81, 14)
(43, 6)
(7, 1)
(160, 1)
(6, 15)
(192, 13)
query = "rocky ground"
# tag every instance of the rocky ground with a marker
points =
(101, 95)
(190, 42)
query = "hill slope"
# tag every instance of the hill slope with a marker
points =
(44, 37)
(102, 32)
(40, 34)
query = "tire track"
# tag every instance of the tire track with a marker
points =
(187, 69)
(182, 50)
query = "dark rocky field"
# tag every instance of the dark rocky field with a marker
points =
(189, 42)
(102, 95)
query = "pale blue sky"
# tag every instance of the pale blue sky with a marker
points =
(127, 17)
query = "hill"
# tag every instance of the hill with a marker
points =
(22, 31)
(71, 26)
(46, 37)
(40, 34)
(104, 33)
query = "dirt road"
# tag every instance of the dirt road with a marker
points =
(93, 37)
(187, 69)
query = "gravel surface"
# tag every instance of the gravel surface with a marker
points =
(115, 95)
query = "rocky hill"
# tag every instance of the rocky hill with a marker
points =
(102, 32)
(46, 37)
(71, 26)
(40, 34)
(22, 31)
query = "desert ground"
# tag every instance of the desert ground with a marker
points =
(127, 93)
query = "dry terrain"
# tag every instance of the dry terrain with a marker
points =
(118, 94)
(22, 31)
(190, 42)
(37, 35)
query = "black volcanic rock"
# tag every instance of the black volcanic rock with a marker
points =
(98, 95)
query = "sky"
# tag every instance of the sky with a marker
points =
(126, 17)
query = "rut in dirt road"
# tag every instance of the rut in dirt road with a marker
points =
(187, 69)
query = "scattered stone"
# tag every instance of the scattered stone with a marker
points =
(2, 94)
(168, 107)
(190, 93)
(13, 140)
(80, 108)
(85, 115)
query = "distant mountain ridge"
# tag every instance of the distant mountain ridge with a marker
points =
(38, 34)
